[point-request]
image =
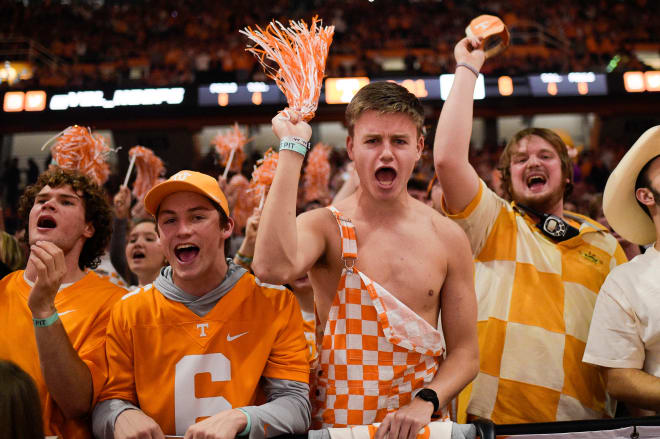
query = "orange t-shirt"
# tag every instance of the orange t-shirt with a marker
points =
(84, 309)
(179, 367)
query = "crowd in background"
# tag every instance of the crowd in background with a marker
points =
(591, 170)
(136, 43)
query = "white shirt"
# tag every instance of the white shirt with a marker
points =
(625, 327)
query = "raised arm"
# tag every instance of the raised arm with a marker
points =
(452, 138)
(286, 248)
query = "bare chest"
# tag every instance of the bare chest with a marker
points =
(410, 264)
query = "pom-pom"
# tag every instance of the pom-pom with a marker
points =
(316, 177)
(238, 190)
(77, 149)
(300, 54)
(263, 174)
(229, 147)
(149, 170)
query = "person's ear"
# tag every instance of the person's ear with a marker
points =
(88, 231)
(645, 196)
(420, 146)
(349, 147)
(228, 228)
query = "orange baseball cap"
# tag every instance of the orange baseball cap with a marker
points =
(186, 181)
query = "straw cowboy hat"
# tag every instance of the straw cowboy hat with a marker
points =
(620, 205)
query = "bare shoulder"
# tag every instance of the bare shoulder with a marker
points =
(318, 225)
(316, 221)
(445, 229)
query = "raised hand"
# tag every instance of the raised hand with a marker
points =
(470, 50)
(122, 202)
(289, 123)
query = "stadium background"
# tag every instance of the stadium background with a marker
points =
(169, 74)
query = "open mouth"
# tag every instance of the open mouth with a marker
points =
(535, 182)
(46, 222)
(186, 252)
(139, 255)
(385, 175)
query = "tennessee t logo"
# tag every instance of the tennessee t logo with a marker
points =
(202, 327)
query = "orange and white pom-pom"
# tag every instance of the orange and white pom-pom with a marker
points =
(300, 53)
(263, 174)
(229, 147)
(77, 149)
(149, 170)
(238, 189)
(316, 177)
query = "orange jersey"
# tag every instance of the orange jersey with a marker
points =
(179, 367)
(84, 309)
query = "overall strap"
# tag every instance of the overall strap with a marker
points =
(348, 238)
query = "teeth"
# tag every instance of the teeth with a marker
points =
(185, 246)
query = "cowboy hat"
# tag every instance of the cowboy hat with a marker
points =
(623, 212)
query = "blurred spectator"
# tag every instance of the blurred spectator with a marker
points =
(20, 409)
(11, 177)
(141, 41)
(32, 171)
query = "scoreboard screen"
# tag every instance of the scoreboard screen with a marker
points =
(573, 84)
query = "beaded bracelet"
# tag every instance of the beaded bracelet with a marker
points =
(469, 67)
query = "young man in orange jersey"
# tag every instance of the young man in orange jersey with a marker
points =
(538, 266)
(192, 353)
(382, 356)
(53, 315)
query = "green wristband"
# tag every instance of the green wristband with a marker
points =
(244, 259)
(42, 323)
(248, 426)
(293, 146)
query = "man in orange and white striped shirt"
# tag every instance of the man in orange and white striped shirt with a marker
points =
(538, 267)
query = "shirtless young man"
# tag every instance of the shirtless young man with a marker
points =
(380, 345)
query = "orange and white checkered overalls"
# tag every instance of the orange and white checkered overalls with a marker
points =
(374, 352)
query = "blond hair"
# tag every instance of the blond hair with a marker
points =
(384, 98)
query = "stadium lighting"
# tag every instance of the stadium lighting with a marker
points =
(652, 79)
(342, 90)
(505, 85)
(35, 100)
(446, 82)
(633, 82)
(13, 101)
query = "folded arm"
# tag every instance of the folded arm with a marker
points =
(634, 387)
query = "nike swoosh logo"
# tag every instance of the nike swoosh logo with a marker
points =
(234, 337)
(66, 312)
